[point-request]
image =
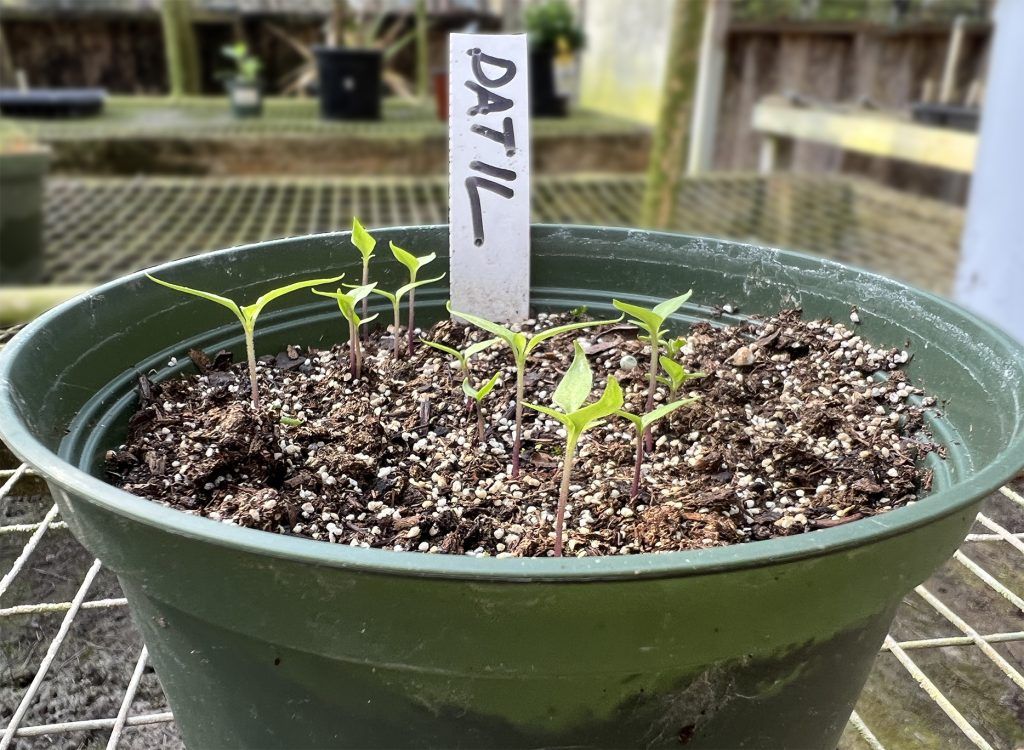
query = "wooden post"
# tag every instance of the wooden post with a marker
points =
(180, 48)
(7, 75)
(769, 154)
(336, 23)
(666, 165)
(956, 43)
(708, 95)
(422, 51)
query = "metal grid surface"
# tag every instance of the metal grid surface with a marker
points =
(209, 117)
(99, 228)
(940, 681)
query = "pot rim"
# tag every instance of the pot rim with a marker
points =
(71, 479)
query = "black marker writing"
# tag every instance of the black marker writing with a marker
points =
(506, 136)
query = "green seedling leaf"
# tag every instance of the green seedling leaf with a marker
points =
(229, 304)
(516, 341)
(251, 312)
(461, 357)
(547, 333)
(446, 349)
(677, 375)
(363, 241)
(669, 306)
(652, 320)
(573, 390)
(642, 422)
(675, 346)
(347, 302)
(403, 290)
(479, 347)
(642, 318)
(248, 314)
(480, 394)
(576, 384)
(563, 418)
(609, 403)
(292, 421)
(410, 261)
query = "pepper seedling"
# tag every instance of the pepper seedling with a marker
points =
(676, 375)
(462, 357)
(414, 264)
(396, 299)
(643, 425)
(652, 321)
(247, 315)
(365, 244)
(347, 302)
(478, 395)
(570, 396)
(521, 348)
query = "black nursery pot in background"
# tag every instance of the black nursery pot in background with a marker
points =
(350, 83)
(544, 98)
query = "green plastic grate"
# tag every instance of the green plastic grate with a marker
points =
(99, 228)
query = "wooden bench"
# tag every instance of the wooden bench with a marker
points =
(862, 130)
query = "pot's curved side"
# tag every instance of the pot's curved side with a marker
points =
(264, 639)
(252, 650)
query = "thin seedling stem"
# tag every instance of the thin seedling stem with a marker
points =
(396, 346)
(352, 350)
(480, 422)
(366, 280)
(250, 351)
(652, 386)
(518, 444)
(563, 494)
(412, 312)
(635, 488)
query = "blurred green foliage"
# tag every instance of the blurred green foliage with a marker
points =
(552, 25)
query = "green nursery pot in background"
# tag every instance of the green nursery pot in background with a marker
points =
(267, 640)
(22, 178)
(246, 98)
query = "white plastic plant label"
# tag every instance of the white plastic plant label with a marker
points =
(489, 175)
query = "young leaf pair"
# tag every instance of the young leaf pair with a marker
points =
(247, 315)
(365, 243)
(472, 394)
(653, 322)
(347, 302)
(521, 347)
(570, 397)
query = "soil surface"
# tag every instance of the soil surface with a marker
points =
(799, 425)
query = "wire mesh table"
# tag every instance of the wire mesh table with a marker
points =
(989, 561)
(99, 228)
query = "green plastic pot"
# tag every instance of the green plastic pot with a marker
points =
(22, 176)
(263, 640)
